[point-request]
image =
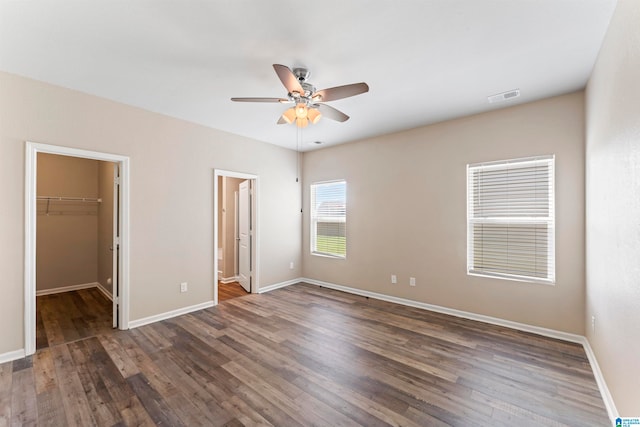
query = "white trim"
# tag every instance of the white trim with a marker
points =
(31, 151)
(104, 291)
(226, 280)
(255, 249)
(12, 355)
(115, 243)
(30, 249)
(474, 185)
(169, 314)
(497, 164)
(66, 289)
(612, 411)
(280, 285)
(125, 262)
(314, 219)
(551, 333)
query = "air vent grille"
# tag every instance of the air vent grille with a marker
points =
(504, 96)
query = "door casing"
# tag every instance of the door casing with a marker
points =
(245, 235)
(255, 226)
(115, 246)
(31, 170)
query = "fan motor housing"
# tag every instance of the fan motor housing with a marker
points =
(302, 74)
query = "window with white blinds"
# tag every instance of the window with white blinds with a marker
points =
(329, 219)
(511, 219)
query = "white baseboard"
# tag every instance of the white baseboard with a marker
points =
(275, 286)
(551, 333)
(66, 289)
(612, 411)
(169, 314)
(104, 291)
(228, 279)
(12, 355)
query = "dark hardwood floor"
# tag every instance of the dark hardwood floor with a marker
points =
(227, 291)
(70, 316)
(302, 356)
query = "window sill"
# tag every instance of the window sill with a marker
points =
(320, 254)
(513, 278)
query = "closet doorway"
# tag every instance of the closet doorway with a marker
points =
(75, 283)
(236, 235)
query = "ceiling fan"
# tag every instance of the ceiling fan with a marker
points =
(309, 103)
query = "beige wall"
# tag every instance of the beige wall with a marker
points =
(613, 208)
(105, 225)
(67, 238)
(406, 212)
(172, 173)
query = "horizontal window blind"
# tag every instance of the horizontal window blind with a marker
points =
(329, 218)
(510, 219)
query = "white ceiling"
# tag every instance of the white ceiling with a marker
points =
(424, 60)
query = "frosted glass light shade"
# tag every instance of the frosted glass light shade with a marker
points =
(290, 115)
(301, 111)
(314, 115)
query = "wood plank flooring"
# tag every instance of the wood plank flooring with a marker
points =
(231, 290)
(70, 316)
(303, 356)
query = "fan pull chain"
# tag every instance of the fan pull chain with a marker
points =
(298, 143)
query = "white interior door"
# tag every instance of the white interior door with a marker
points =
(115, 284)
(236, 236)
(244, 234)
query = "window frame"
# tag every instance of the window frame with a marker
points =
(313, 220)
(549, 220)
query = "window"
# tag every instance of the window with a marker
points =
(329, 219)
(510, 219)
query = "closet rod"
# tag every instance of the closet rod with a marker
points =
(70, 199)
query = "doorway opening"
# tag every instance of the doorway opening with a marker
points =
(76, 244)
(236, 235)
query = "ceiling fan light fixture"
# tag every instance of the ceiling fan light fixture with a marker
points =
(308, 103)
(290, 115)
(313, 115)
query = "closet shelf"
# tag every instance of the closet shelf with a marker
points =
(52, 201)
(70, 199)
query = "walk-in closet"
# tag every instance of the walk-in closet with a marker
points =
(74, 248)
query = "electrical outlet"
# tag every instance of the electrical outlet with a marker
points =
(291, 265)
(412, 281)
(183, 287)
(593, 324)
(394, 279)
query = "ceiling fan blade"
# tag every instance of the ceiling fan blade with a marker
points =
(332, 113)
(282, 121)
(288, 79)
(281, 100)
(340, 92)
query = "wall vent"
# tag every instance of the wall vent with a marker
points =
(504, 96)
